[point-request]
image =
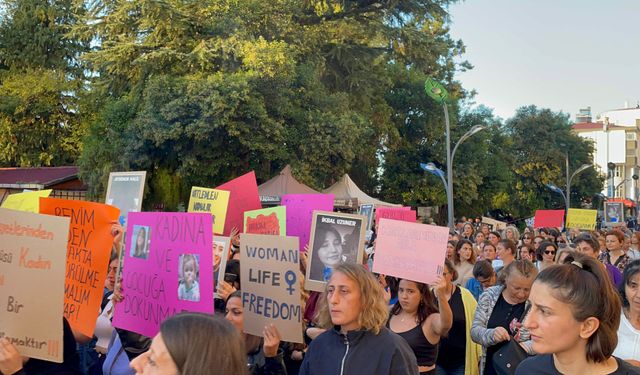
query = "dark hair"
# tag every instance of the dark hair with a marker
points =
(456, 255)
(233, 266)
(483, 269)
(427, 304)
(509, 245)
(543, 246)
(530, 249)
(630, 270)
(589, 240)
(322, 229)
(196, 342)
(451, 268)
(488, 243)
(584, 285)
(497, 234)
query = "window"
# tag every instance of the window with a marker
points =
(618, 170)
(631, 136)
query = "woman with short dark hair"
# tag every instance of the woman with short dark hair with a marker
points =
(629, 331)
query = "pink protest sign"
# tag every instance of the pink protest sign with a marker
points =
(549, 218)
(410, 250)
(244, 197)
(168, 268)
(401, 213)
(300, 209)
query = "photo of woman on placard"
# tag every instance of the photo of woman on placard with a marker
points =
(140, 243)
(335, 240)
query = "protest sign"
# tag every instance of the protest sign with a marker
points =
(215, 202)
(220, 256)
(266, 221)
(125, 191)
(367, 210)
(28, 201)
(581, 219)
(613, 214)
(400, 213)
(300, 209)
(270, 285)
(34, 248)
(175, 275)
(88, 251)
(548, 218)
(494, 224)
(410, 250)
(244, 197)
(335, 238)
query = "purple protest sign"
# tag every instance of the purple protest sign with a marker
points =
(168, 268)
(300, 209)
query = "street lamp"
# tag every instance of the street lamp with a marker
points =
(567, 196)
(437, 92)
(556, 189)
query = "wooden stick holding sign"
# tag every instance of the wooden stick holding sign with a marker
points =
(271, 285)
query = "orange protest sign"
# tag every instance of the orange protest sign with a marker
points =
(88, 250)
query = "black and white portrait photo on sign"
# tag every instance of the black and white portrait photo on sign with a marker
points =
(335, 238)
(613, 213)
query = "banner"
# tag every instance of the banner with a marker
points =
(266, 221)
(270, 285)
(613, 213)
(335, 238)
(33, 256)
(244, 197)
(548, 218)
(88, 250)
(300, 209)
(214, 202)
(367, 210)
(169, 268)
(401, 213)
(28, 201)
(494, 225)
(125, 191)
(582, 219)
(410, 250)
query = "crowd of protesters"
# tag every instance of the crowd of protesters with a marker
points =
(570, 301)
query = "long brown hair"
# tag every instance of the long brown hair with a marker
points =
(199, 342)
(427, 304)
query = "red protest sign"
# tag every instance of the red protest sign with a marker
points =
(402, 214)
(549, 218)
(244, 197)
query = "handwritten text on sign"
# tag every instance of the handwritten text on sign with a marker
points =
(212, 201)
(88, 251)
(270, 285)
(32, 254)
(155, 286)
(266, 221)
(409, 250)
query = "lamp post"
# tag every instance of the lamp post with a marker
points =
(567, 196)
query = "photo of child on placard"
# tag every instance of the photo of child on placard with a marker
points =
(335, 238)
(189, 276)
(140, 243)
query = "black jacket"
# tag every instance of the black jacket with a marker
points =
(359, 352)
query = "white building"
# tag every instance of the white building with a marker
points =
(615, 137)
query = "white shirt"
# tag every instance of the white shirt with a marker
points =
(628, 341)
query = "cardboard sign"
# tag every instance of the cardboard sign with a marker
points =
(125, 191)
(410, 250)
(367, 210)
(494, 225)
(220, 257)
(88, 251)
(169, 268)
(335, 238)
(266, 221)
(300, 209)
(28, 201)
(244, 197)
(548, 218)
(270, 285)
(401, 213)
(582, 219)
(32, 256)
(613, 213)
(215, 202)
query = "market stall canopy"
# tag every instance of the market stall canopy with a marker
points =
(348, 194)
(284, 183)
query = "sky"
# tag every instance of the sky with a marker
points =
(557, 54)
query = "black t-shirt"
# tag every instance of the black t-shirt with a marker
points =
(543, 365)
(502, 315)
(452, 347)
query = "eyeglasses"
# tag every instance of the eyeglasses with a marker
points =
(549, 252)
